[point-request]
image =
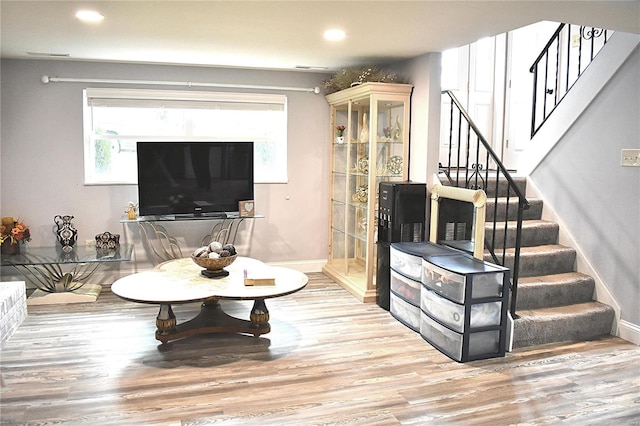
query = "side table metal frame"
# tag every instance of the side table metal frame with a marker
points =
(163, 246)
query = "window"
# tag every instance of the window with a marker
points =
(115, 119)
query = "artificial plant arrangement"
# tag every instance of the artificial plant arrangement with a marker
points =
(353, 76)
(14, 231)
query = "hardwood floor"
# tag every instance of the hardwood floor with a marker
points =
(328, 360)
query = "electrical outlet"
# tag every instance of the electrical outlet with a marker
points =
(630, 158)
(90, 243)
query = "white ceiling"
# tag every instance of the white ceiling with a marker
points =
(280, 34)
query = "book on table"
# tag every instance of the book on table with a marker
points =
(258, 276)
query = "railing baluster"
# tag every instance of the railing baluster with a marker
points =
(535, 99)
(579, 73)
(555, 93)
(459, 147)
(546, 84)
(450, 138)
(566, 84)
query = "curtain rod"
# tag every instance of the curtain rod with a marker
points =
(46, 79)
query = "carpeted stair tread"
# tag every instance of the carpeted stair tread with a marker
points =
(500, 210)
(554, 290)
(502, 187)
(583, 321)
(534, 232)
(541, 260)
(489, 184)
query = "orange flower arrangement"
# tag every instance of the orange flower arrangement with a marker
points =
(13, 230)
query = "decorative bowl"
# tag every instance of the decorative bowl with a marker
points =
(214, 264)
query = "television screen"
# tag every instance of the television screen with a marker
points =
(193, 178)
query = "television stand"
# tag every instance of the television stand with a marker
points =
(163, 246)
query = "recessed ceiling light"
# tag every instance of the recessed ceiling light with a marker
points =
(334, 35)
(89, 16)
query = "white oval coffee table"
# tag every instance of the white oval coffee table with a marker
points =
(179, 281)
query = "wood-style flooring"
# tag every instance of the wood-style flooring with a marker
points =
(328, 360)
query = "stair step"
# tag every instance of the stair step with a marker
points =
(584, 321)
(489, 185)
(554, 290)
(534, 212)
(540, 260)
(502, 187)
(534, 233)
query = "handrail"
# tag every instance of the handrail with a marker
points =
(476, 181)
(563, 58)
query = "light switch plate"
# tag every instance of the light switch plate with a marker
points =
(630, 158)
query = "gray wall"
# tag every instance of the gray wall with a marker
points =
(41, 147)
(597, 200)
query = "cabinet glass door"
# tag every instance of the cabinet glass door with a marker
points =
(359, 190)
(339, 184)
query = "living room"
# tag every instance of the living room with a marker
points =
(42, 156)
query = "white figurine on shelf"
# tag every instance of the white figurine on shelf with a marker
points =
(364, 133)
(132, 210)
(397, 130)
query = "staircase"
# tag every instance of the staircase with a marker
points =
(554, 302)
(550, 300)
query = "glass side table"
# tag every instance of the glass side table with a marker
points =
(61, 277)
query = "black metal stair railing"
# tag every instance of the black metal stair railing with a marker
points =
(562, 61)
(473, 164)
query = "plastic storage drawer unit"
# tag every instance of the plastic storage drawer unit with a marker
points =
(463, 277)
(410, 290)
(478, 345)
(453, 315)
(406, 258)
(405, 312)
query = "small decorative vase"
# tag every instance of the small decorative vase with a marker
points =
(65, 232)
(107, 244)
(8, 248)
(340, 139)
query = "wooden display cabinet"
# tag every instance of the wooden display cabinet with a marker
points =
(373, 149)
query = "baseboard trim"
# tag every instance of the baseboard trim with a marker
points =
(304, 266)
(629, 332)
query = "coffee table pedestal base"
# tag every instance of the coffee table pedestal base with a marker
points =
(211, 319)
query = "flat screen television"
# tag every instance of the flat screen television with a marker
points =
(194, 178)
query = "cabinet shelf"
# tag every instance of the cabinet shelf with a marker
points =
(351, 204)
(375, 148)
